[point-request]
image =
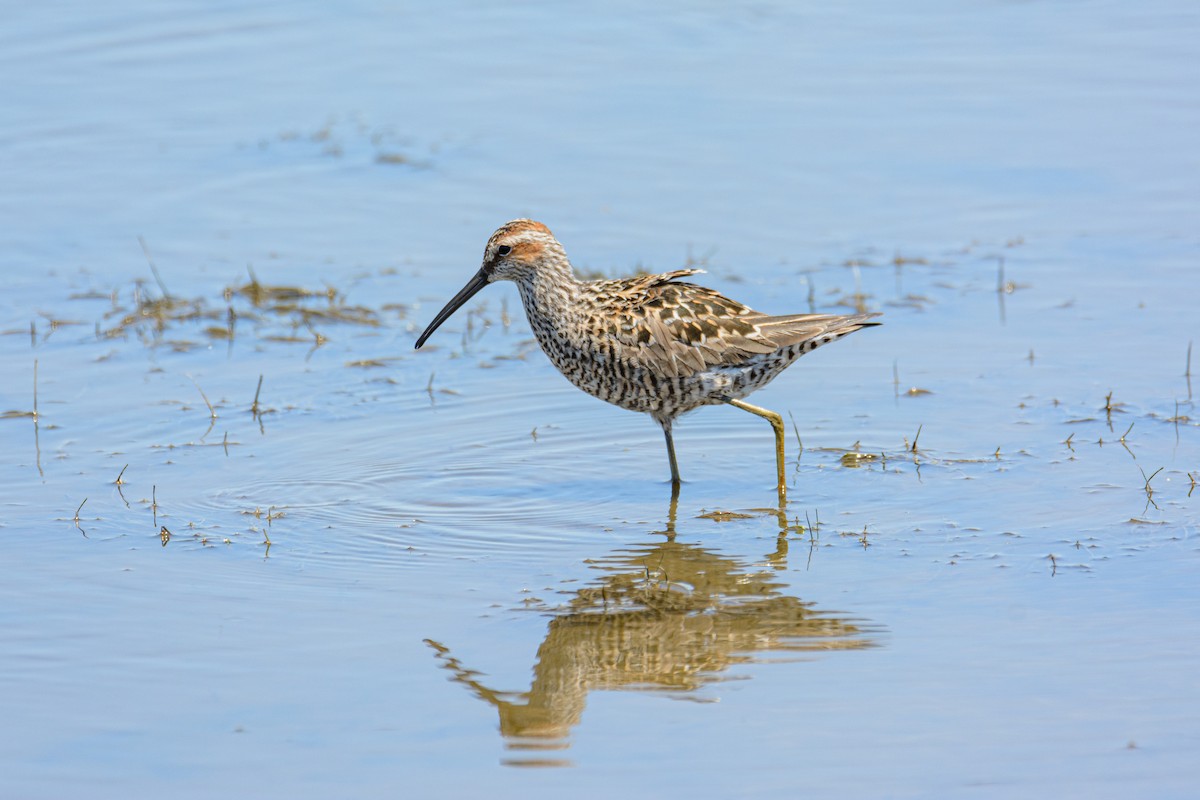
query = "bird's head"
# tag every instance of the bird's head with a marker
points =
(518, 251)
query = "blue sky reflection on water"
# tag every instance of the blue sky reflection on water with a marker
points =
(471, 565)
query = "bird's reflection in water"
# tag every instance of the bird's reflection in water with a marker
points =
(664, 616)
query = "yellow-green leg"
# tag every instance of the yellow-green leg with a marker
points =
(776, 423)
(666, 426)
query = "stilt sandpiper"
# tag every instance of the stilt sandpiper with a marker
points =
(650, 343)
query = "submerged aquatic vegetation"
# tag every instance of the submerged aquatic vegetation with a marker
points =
(276, 312)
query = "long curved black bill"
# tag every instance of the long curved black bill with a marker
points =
(466, 293)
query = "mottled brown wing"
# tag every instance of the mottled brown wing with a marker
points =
(679, 329)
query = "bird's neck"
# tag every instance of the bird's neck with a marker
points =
(551, 297)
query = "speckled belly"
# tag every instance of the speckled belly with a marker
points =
(640, 388)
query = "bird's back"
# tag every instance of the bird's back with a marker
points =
(655, 344)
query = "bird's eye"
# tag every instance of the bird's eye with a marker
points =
(503, 250)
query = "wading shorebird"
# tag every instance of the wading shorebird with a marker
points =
(650, 343)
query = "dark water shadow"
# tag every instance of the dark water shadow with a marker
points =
(664, 616)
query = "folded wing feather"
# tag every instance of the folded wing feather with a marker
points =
(680, 329)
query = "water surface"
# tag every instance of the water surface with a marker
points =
(384, 572)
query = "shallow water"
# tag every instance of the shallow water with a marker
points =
(412, 572)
